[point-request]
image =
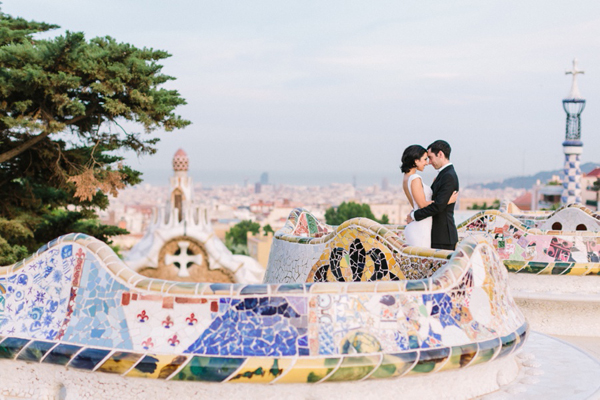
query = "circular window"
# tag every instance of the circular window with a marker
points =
(581, 227)
(557, 226)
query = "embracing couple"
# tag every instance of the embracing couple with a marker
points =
(431, 223)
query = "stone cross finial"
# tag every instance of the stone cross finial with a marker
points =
(183, 258)
(574, 94)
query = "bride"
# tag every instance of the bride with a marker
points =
(414, 158)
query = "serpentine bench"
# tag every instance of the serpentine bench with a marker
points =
(75, 304)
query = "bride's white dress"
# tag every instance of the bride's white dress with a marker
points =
(418, 233)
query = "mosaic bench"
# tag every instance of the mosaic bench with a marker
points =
(525, 249)
(307, 250)
(361, 253)
(76, 304)
(571, 217)
(555, 260)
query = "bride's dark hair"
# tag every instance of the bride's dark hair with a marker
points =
(410, 155)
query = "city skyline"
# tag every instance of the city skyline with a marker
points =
(314, 92)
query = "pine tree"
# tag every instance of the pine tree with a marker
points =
(63, 101)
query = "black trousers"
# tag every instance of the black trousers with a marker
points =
(443, 246)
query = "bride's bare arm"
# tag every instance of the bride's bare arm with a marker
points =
(416, 187)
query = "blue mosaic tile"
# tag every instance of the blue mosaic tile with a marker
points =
(255, 326)
(326, 343)
(61, 354)
(35, 351)
(88, 358)
(96, 319)
(10, 347)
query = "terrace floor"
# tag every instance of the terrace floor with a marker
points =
(590, 345)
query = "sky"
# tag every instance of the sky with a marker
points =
(314, 92)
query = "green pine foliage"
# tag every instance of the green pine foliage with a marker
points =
(62, 104)
(346, 211)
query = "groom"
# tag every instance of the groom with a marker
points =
(443, 231)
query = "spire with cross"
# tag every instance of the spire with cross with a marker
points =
(572, 146)
(574, 93)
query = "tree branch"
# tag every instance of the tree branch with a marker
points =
(7, 155)
(35, 140)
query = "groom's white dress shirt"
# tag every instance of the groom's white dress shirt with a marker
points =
(412, 213)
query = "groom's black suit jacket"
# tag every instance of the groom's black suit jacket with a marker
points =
(443, 230)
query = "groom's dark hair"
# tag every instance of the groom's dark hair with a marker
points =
(440, 145)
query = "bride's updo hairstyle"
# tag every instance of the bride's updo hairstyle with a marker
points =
(410, 155)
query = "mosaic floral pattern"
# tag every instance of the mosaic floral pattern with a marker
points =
(34, 300)
(531, 250)
(107, 318)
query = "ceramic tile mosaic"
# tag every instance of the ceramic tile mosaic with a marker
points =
(359, 250)
(76, 304)
(571, 217)
(525, 249)
(289, 262)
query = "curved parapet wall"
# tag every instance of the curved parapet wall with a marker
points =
(532, 250)
(75, 304)
(359, 250)
(570, 217)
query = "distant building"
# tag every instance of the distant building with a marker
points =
(264, 178)
(523, 201)
(546, 195)
(180, 243)
(259, 247)
(590, 196)
(262, 207)
(385, 184)
(257, 188)
(396, 212)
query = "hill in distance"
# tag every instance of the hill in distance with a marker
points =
(527, 182)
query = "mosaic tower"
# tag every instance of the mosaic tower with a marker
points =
(572, 146)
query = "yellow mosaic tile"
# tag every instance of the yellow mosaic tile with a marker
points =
(120, 362)
(324, 288)
(156, 366)
(261, 370)
(182, 288)
(143, 283)
(309, 370)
